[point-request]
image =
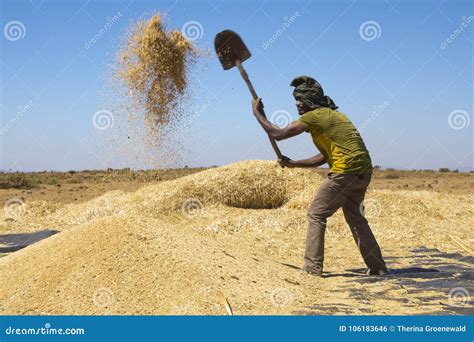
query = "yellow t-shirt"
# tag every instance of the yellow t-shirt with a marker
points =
(338, 140)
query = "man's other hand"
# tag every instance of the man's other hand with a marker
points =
(285, 162)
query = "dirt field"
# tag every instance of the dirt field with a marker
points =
(82, 186)
(158, 243)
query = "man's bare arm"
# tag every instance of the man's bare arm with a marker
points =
(273, 131)
(315, 161)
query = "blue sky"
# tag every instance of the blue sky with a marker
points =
(406, 80)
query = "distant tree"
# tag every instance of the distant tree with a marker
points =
(444, 169)
(377, 167)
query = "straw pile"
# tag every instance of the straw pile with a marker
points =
(191, 245)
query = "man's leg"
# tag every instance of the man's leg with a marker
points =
(328, 199)
(363, 236)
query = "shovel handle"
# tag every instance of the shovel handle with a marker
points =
(245, 76)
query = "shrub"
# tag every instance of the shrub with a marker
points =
(18, 181)
(392, 175)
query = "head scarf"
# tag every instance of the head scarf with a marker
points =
(310, 93)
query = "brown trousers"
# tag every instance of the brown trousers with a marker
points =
(346, 191)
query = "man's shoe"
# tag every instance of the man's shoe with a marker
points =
(313, 272)
(376, 272)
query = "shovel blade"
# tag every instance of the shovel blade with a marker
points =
(230, 48)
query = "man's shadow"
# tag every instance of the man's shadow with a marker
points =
(433, 275)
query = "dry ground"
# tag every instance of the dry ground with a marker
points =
(85, 185)
(180, 246)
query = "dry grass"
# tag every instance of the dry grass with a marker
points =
(178, 246)
(31, 180)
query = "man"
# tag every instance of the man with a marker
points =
(341, 147)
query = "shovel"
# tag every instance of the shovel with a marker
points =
(232, 51)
